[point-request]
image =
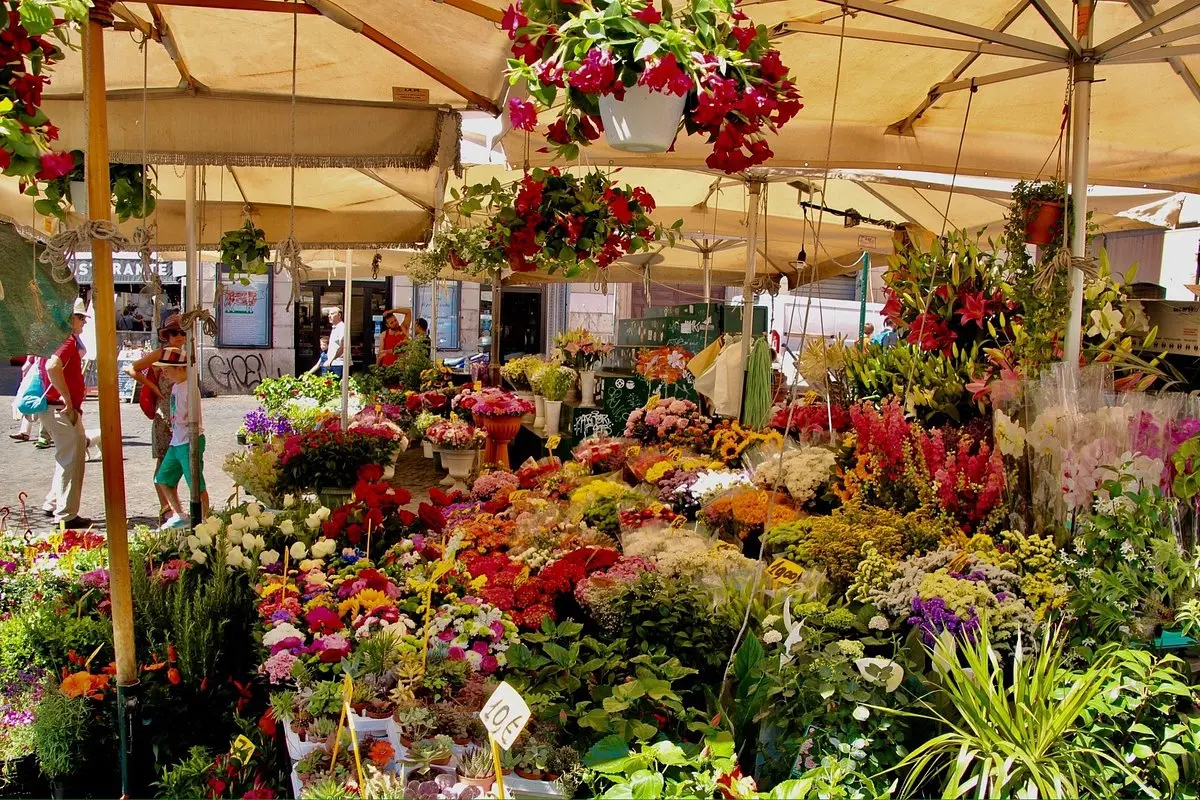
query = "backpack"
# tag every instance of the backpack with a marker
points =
(148, 400)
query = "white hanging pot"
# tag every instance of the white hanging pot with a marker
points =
(644, 122)
(78, 192)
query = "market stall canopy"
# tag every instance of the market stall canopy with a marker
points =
(904, 89)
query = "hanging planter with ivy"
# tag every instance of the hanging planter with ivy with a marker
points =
(1038, 208)
(632, 62)
(132, 189)
(245, 252)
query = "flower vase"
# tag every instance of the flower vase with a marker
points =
(539, 419)
(458, 463)
(643, 122)
(427, 448)
(553, 416)
(528, 418)
(587, 388)
(500, 431)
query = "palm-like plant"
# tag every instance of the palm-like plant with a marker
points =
(1009, 736)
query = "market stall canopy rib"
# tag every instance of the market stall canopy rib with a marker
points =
(904, 89)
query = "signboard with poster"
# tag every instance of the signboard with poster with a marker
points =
(244, 311)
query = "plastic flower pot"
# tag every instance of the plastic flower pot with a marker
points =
(528, 418)
(644, 122)
(427, 448)
(587, 387)
(539, 418)
(458, 463)
(528, 774)
(500, 431)
(1043, 221)
(553, 416)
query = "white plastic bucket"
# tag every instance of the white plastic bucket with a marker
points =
(644, 122)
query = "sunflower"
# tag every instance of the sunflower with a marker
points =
(366, 600)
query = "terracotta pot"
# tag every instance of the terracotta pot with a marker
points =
(529, 776)
(406, 741)
(378, 713)
(500, 431)
(479, 783)
(1043, 221)
(550, 776)
(462, 741)
(442, 762)
(359, 708)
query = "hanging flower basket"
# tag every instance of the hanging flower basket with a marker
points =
(630, 69)
(1043, 224)
(643, 122)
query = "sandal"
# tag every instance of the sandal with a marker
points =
(20, 437)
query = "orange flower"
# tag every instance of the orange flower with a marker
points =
(381, 753)
(84, 684)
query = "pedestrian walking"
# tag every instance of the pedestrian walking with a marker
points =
(144, 371)
(336, 351)
(63, 418)
(31, 424)
(177, 464)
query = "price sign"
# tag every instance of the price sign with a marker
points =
(242, 750)
(505, 715)
(784, 571)
(553, 442)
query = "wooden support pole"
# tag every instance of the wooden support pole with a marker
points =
(113, 465)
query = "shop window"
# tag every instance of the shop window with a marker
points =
(449, 312)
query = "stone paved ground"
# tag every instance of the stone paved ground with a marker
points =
(23, 468)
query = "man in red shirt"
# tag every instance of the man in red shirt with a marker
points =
(63, 420)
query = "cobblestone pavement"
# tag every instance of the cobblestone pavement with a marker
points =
(24, 468)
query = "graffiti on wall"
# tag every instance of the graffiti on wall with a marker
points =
(238, 373)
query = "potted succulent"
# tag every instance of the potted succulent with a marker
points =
(581, 351)
(640, 74)
(414, 723)
(556, 383)
(1038, 206)
(477, 768)
(427, 754)
(453, 721)
(534, 759)
(500, 413)
(320, 729)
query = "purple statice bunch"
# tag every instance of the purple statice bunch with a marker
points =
(932, 617)
(259, 423)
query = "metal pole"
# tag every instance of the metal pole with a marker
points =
(494, 360)
(706, 260)
(755, 189)
(346, 342)
(866, 287)
(113, 466)
(433, 318)
(1081, 124)
(192, 254)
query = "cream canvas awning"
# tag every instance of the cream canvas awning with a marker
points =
(902, 96)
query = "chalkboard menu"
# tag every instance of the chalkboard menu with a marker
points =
(127, 387)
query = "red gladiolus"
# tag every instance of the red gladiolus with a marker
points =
(649, 15)
(664, 75)
(522, 113)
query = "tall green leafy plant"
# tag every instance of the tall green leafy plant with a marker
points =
(1009, 731)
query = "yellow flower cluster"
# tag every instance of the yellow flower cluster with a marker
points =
(593, 491)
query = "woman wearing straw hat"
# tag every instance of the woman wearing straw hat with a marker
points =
(152, 379)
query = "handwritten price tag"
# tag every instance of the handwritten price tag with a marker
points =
(478, 386)
(505, 715)
(553, 442)
(785, 572)
(242, 749)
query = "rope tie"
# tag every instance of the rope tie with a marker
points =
(202, 315)
(287, 259)
(60, 251)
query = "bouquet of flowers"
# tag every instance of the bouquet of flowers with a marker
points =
(670, 421)
(259, 425)
(580, 350)
(744, 513)
(802, 418)
(331, 458)
(496, 482)
(474, 631)
(516, 371)
(493, 402)
(803, 472)
(454, 434)
(668, 364)
(602, 453)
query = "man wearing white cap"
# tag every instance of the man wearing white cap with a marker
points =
(63, 419)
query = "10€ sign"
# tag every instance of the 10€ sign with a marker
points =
(505, 715)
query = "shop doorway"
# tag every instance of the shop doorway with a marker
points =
(368, 300)
(522, 322)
